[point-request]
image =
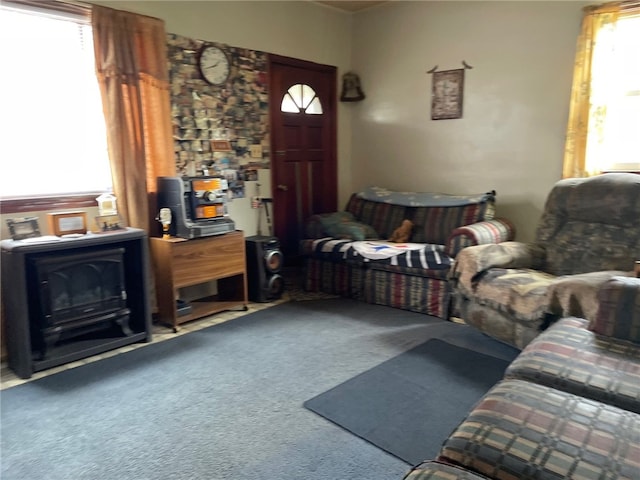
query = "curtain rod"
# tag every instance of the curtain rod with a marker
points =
(626, 7)
(630, 5)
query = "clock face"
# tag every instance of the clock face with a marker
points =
(214, 65)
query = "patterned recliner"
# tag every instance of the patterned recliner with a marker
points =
(588, 233)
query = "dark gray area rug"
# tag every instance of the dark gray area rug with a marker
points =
(225, 402)
(408, 405)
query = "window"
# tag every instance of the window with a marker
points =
(52, 120)
(604, 112)
(613, 141)
(301, 99)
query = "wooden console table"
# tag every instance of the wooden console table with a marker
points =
(180, 263)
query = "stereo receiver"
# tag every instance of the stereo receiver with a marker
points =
(198, 205)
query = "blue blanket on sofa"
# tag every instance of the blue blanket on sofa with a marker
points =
(426, 199)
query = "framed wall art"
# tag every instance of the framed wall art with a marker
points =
(446, 94)
(221, 145)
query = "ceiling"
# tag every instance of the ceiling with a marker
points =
(352, 6)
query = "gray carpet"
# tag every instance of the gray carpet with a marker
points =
(410, 403)
(225, 402)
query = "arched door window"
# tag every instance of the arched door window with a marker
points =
(301, 99)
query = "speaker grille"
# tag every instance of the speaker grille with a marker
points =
(264, 262)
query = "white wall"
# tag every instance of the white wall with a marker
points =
(511, 135)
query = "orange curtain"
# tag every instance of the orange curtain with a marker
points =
(583, 109)
(131, 65)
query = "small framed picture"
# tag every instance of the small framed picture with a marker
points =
(108, 223)
(221, 145)
(25, 227)
(67, 223)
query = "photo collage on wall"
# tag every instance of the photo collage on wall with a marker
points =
(219, 129)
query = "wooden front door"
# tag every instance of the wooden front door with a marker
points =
(303, 146)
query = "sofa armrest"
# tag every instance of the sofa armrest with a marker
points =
(497, 230)
(618, 312)
(473, 261)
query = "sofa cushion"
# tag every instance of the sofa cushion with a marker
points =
(426, 261)
(524, 430)
(571, 358)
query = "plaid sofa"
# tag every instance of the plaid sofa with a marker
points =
(416, 279)
(568, 406)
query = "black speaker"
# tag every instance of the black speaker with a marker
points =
(264, 263)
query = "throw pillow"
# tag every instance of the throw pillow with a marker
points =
(344, 225)
(353, 231)
(328, 220)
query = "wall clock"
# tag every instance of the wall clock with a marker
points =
(214, 65)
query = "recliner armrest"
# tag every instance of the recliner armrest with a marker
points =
(490, 231)
(472, 261)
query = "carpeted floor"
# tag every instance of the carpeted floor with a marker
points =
(221, 403)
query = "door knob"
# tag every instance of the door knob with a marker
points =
(284, 188)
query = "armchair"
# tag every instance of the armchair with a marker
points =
(589, 232)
